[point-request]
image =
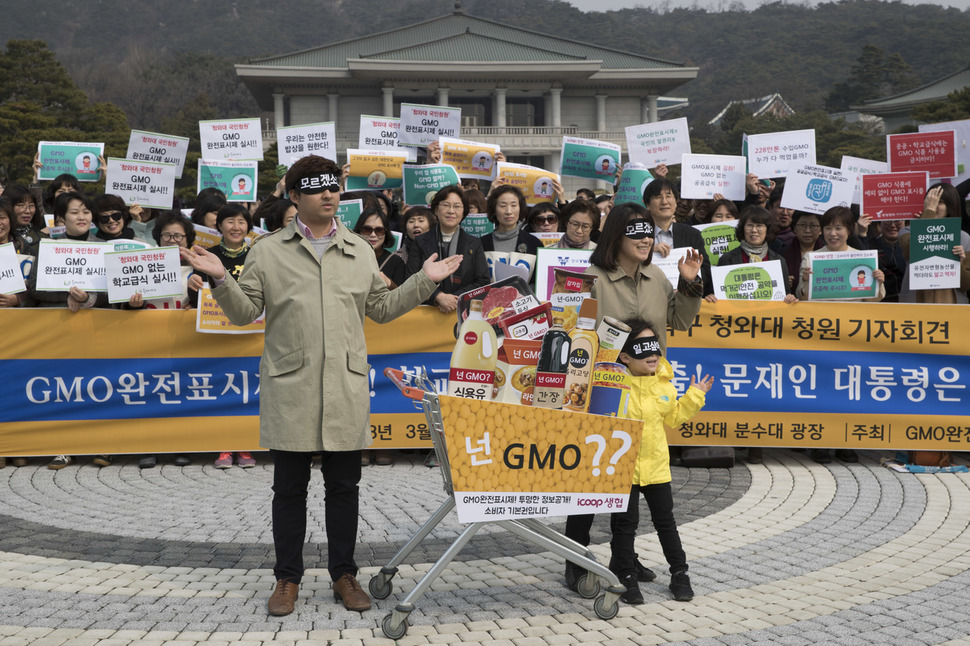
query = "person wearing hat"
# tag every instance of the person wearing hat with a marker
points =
(316, 281)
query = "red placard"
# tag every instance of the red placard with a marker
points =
(893, 196)
(934, 152)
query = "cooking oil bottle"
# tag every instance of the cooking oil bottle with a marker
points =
(473, 359)
(583, 346)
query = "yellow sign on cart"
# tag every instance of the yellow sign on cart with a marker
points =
(512, 461)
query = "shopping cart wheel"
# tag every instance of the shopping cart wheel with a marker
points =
(380, 586)
(396, 632)
(588, 586)
(602, 610)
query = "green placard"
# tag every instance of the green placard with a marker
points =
(719, 238)
(632, 185)
(843, 275)
(349, 212)
(422, 182)
(477, 224)
(932, 264)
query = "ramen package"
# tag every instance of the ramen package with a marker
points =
(497, 300)
(515, 372)
(568, 293)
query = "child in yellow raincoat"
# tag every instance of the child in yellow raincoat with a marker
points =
(654, 400)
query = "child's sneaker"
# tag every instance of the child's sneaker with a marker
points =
(680, 586)
(245, 460)
(632, 596)
(224, 461)
(645, 574)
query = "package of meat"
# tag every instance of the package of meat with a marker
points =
(496, 298)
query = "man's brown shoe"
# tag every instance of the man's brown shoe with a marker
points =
(283, 599)
(347, 589)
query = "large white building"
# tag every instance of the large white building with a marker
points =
(517, 88)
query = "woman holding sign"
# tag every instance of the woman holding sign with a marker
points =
(447, 239)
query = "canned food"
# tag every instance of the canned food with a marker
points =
(610, 389)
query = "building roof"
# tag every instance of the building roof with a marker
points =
(757, 107)
(905, 101)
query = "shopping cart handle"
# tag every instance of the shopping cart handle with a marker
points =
(397, 376)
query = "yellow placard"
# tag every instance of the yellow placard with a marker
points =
(374, 169)
(210, 318)
(471, 159)
(535, 183)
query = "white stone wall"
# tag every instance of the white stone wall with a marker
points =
(307, 109)
(579, 111)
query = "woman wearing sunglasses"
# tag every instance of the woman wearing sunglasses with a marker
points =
(374, 227)
(112, 219)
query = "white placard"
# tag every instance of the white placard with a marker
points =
(816, 189)
(422, 124)
(154, 273)
(158, 148)
(296, 142)
(26, 264)
(62, 265)
(856, 167)
(772, 154)
(756, 281)
(11, 275)
(239, 139)
(147, 184)
(704, 175)
(669, 264)
(662, 142)
(383, 133)
(961, 130)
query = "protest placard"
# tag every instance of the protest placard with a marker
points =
(816, 189)
(477, 224)
(147, 184)
(26, 264)
(753, 281)
(211, 319)
(422, 182)
(857, 167)
(296, 142)
(62, 265)
(548, 238)
(932, 264)
(670, 265)
(237, 139)
(349, 212)
(550, 259)
(589, 159)
(961, 130)
(661, 142)
(206, 237)
(153, 273)
(843, 274)
(773, 154)
(422, 124)
(704, 175)
(237, 179)
(472, 160)
(11, 274)
(719, 238)
(374, 170)
(632, 184)
(934, 152)
(158, 148)
(893, 196)
(383, 133)
(70, 157)
(535, 183)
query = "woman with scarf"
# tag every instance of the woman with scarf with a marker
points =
(578, 220)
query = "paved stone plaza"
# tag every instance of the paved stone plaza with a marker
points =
(788, 552)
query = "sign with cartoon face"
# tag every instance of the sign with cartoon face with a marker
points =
(472, 160)
(71, 158)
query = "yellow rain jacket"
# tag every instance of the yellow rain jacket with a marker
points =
(654, 400)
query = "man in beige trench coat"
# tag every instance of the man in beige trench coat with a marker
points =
(316, 280)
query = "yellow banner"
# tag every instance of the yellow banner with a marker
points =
(211, 319)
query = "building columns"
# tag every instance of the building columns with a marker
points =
(279, 115)
(601, 112)
(388, 101)
(442, 96)
(652, 108)
(555, 103)
(332, 108)
(499, 114)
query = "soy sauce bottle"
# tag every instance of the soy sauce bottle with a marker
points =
(551, 369)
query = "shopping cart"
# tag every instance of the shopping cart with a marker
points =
(419, 388)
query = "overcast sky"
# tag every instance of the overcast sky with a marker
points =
(612, 5)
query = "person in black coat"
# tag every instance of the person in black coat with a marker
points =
(660, 197)
(447, 239)
(506, 209)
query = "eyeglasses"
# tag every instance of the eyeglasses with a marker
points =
(104, 218)
(580, 226)
(805, 226)
(25, 206)
(756, 227)
(544, 219)
(366, 231)
(173, 237)
(449, 206)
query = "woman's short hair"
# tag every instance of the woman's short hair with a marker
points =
(499, 192)
(231, 210)
(272, 213)
(207, 204)
(539, 209)
(63, 201)
(108, 202)
(20, 194)
(838, 215)
(385, 222)
(726, 203)
(419, 211)
(166, 218)
(476, 201)
(607, 252)
(580, 206)
(757, 215)
(451, 189)
(59, 182)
